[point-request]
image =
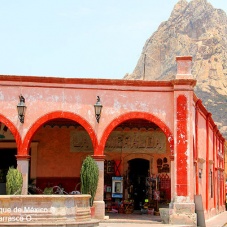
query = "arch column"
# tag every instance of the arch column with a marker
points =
(23, 167)
(183, 207)
(98, 200)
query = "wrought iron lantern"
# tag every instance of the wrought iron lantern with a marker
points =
(98, 109)
(21, 107)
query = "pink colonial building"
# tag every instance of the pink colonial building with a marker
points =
(154, 140)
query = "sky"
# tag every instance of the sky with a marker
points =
(78, 38)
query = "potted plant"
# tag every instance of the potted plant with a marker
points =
(14, 182)
(89, 176)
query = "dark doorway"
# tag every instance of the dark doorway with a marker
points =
(7, 159)
(138, 171)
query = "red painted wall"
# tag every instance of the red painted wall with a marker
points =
(182, 138)
(54, 156)
(47, 98)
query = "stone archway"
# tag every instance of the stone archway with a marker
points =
(146, 154)
(23, 156)
(135, 156)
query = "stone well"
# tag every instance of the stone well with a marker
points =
(46, 210)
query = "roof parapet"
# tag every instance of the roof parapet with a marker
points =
(184, 66)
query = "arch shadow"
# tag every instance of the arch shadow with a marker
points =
(55, 115)
(130, 116)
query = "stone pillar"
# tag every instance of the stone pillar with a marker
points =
(23, 167)
(98, 201)
(183, 207)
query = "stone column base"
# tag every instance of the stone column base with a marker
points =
(183, 214)
(99, 209)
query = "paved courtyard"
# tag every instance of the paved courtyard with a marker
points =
(145, 220)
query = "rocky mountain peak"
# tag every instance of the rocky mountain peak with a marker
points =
(178, 9)
(194, 28)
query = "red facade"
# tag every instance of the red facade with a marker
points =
(148, 120)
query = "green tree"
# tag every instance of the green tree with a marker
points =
(89, 176)
(14, 182)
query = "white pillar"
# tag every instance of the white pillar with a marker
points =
(23, 167)
(98, 201)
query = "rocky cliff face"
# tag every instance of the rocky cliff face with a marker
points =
(194, 28)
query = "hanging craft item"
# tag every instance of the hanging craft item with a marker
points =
(159, 169)
(156, 195)
(110, 166)
(159, 162)
(165, 185)
(117, 168)
(165, 168)
(162, 165)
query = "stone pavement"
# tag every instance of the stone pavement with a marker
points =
(145, 220)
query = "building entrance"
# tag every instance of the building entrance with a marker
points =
(138, 171)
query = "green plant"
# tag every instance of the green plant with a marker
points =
(89, 176)
(14, 182)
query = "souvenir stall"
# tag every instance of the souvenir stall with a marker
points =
(145, 193)
(114, 197)
(113, 188)
(158, 192)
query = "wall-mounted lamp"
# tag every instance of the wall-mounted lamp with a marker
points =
(21, 109)
(98, 109)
